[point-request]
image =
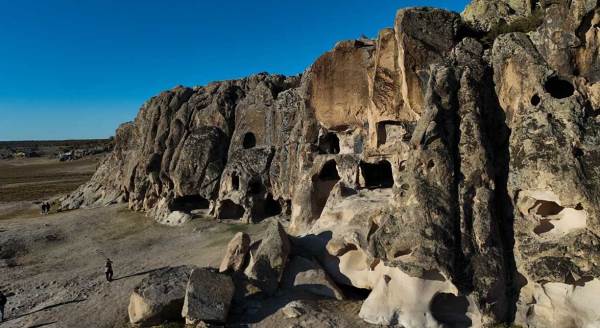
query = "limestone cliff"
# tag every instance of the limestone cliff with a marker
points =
(451, 166)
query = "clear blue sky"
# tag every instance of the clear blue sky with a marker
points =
(72, 69)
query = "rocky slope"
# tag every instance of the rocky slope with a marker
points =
(450, 166)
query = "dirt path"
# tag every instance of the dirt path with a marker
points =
(54, 263)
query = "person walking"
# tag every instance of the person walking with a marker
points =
(2, 304)
(108, 270)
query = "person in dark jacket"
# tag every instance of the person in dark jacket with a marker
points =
(108, 270)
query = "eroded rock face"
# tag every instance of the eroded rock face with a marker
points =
(266, 265)
(454, 176)
(237, 251)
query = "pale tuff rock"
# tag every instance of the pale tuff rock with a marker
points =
(307, 275)
(237, 251)
(266, 265)
(454, 155)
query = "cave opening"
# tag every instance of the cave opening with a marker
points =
(272, 207)
(559, 88)
(230, 210)
(449, 308)
(235, 181)
(377, 175)
(323, 183)
(249, 140)
(255, 187)
(329, 172)
(329, 143)
(535, 100)
(189, 203)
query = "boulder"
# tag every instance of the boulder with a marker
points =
(159, 297)
(235, 256)
(307, 275)
(268, 263)
(208, 296)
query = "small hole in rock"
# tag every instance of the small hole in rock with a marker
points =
(430, 164)
(402, 252)
(249, 140)
(547, 208)
(579, 207)
(535, 100)
(577, 152)
(559, 88)
(402, 166)
(235, 181)
(543, 227)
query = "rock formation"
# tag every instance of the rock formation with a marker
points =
(451, 165)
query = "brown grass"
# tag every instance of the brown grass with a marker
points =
(39, 179)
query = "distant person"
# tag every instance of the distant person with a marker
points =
(48, 206)
(2, 304)
(108, 270)
(43, 208)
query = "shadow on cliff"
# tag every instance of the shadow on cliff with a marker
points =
(499, 134)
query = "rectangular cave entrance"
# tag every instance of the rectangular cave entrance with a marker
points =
(377, 175)
(189, 203)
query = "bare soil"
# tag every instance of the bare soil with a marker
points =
(26, 182)
(54, 264)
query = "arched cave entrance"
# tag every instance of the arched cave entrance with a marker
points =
(559, 88)
(323, 183)
(329, 144)
(266, 208)
(230, 210)
(189, 203)
(249, 140)
(378, 175)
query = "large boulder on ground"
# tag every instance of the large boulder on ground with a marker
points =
(159, 297)
(207, 297)
(307, 275)
(267, 264)
(235, 256)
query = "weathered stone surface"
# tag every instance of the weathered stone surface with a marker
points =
(447, 162)
(159, 297)
(235, 256)
(208, 296)
(268, 262)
